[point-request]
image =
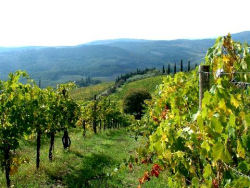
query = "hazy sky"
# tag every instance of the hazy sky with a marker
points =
(70, 22)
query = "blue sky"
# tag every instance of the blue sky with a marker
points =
(71, 22)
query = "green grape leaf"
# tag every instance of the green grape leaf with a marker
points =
(195, 182)
(207, 171)
(244, 167)
(220, 152)
(232, 120)
(200, 122)
(216, 125)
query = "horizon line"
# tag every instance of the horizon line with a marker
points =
(111, 39)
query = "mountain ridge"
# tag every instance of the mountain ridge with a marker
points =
(104, 59)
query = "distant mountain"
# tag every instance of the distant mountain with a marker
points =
(103, 59)
(242, 36)
(110, 41)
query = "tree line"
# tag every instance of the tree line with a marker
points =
(169, 70)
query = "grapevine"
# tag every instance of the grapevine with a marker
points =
(27, 109)
(207, 147)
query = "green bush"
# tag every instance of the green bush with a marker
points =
(133, 102)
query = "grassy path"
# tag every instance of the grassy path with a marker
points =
(93, 161)
(90, 162)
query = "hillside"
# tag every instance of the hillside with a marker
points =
(149, 84)
(102, 59)
(146, 81)
(88, 93)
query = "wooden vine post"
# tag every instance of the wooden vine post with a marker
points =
(7, 164)
(84, 127)
(38, 140)
(203, 82)
(94, 115)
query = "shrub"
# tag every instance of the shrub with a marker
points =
(134, 102)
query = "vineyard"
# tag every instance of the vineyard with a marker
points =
(187, 137)
(206, 146)
(27, 111)
(88, 93)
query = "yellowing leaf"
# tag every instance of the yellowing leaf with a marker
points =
(240, 150)
(225, 59)
(180, 154)
(205, 146)
(167, 155)
(234, 101)
(192, 169)
(222, 105)
(13, 170)
(164, 138)
(238, 97)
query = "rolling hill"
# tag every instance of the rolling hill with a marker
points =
(102, 59)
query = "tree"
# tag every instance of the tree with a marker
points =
(169, 70)
(175, 68)
(133, 102)
(163, 69)
(181, 68)
(188, 66)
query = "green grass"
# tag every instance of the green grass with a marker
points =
(87, 93)
(148, 83)
(90, 162)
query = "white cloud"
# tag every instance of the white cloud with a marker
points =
(70, 22)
